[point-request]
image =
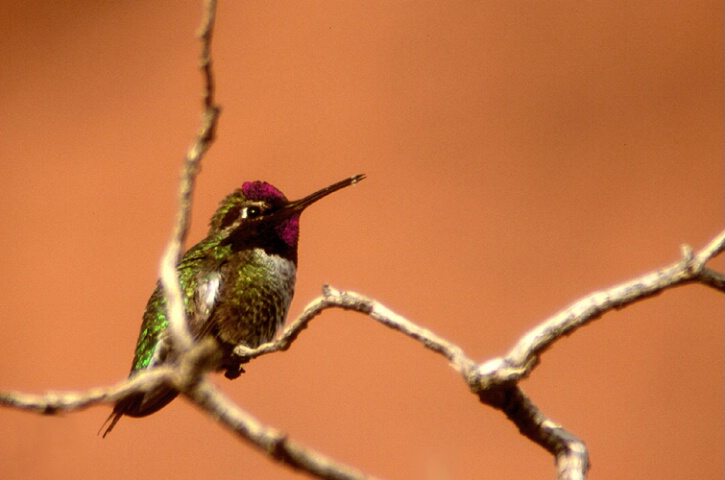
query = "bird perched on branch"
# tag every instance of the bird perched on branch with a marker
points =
(237, 285)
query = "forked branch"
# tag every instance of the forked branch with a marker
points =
(495, 382)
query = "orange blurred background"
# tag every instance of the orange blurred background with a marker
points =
(519, 156)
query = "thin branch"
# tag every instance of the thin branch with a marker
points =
(712, 279)
(190, 367)
(275, 443)
(524, 357)
(205, 33)
(180, 336)
(334, 298)
(53, 403)
(570, 453)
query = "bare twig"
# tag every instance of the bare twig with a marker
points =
(333, 298)
(55, 402)
(191, 366)
(275, 443)
(180, 335)
(570, 453)
(522, 359)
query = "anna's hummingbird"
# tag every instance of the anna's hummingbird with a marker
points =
(237, 285)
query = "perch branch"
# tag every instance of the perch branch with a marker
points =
(495, 381)
(188, 377)
(55, 402)
(334, 298)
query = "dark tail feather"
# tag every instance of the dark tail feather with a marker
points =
(114, 417)
(139, 405)
(124, 407)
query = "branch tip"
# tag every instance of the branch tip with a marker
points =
(687, 254)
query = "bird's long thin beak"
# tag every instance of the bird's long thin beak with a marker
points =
(301, 204)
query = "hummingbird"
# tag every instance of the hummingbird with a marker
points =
(237, 285)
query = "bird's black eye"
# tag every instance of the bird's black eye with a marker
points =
(251, 212)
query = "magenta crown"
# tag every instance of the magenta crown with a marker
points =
(262, 192)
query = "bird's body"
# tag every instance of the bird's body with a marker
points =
(237, 285)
